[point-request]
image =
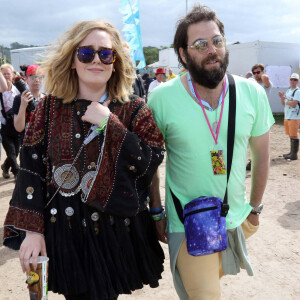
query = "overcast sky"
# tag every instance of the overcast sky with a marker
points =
(39, 22)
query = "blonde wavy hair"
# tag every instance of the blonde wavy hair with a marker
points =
(9, 66)
(62, 81)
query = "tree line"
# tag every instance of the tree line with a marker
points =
(150, 53)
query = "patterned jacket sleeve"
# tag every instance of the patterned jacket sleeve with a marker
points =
(26, 206)
(132, 153)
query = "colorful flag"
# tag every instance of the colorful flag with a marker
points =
(132, 30)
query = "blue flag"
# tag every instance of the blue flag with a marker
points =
(132, 30)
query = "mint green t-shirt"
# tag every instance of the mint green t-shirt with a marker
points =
(188, 142)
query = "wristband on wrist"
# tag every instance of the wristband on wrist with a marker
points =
(160, 216)
(102, 125)
(156, 209)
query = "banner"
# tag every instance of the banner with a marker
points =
(132, 31)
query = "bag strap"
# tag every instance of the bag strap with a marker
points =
(3, 112)
(230, 147)
(295, 90)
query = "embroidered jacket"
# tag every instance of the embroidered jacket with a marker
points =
(112, 173)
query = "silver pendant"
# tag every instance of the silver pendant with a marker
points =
(69, 211)
(215, 127)
(67, 176)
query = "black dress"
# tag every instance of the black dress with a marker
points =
(93, 210)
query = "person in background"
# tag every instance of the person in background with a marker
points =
(147, 81)
(87, 161)
(249, 75)
(262, 79)
(138, 85)
(160, 76)
(291, 102)
(25, 104)
(10, 139)
(171, 74)
(189, 112)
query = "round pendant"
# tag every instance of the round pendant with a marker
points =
(53, 211)
(69, 211)
(95, 216)
(30, 190)
(29, 197)
(52, 219)
(66, 176)
(86, 181)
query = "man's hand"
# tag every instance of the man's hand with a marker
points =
(281, 95)
(253, 219)
(265, 79)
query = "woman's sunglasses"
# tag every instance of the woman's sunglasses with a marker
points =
(86, 55)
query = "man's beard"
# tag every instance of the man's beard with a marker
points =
(207, 78)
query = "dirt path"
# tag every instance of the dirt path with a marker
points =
(274, 250)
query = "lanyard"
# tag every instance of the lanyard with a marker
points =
(215, 137)
(103, 98)
(93, 133)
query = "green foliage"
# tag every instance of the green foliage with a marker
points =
(4, 51)
(151, 54)
(16, 45)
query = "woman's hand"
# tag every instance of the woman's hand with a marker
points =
(26, 97)
(161, 230)
(96, 112)
(32, 246)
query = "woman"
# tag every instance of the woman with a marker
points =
(83, 190)
(25, 104)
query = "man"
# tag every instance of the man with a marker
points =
(261, 78)
(290, 100)
(25, 104)
(11, 143)
(200, 45)
(160, 76)
(171, 74)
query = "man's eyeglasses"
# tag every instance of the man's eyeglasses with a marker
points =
(294, 79)
(257, 72)
(37, 77)
(202, 45)
(86, 55)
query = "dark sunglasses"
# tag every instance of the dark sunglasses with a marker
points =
(258, 72)
(86, 55)
(293, 79)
